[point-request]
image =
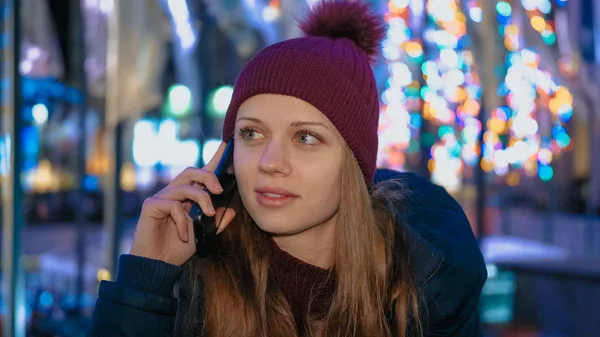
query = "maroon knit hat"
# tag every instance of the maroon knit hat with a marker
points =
(329, 68)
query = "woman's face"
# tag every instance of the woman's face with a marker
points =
(288, 161)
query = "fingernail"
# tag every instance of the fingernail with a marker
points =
(220, 229)
(212, 210)
(186, 237)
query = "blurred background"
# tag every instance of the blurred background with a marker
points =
(104, 101)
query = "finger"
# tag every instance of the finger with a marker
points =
(160, 208)
(219, 215)
(199, 178)
(225, 220)
(187, 192)
(182, 220)
(212, 164)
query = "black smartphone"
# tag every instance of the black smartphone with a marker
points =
(205, 226)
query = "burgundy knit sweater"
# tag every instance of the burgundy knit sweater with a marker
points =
(309, 289)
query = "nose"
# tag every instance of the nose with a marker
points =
(274, 159)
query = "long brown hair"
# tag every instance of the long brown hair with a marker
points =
(232, 293)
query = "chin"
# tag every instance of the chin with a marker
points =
(274, 227)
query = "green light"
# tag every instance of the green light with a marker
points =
(427, 139)
(549, 37)
(563, 140)
(219, 101)
(429, 68)
(413, 146)
(455, 150)
(416, 59)
(445, 130)
(425, 91)
(412, 92)
(501, 30)
(179, 99)
(503, 8)
(545, 172)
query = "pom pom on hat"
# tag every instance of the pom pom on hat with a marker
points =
(346, 19)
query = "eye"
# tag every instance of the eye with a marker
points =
(307, 138)
(250, 134)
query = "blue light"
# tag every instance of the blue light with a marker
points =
(91, 183)
(30, 139)
(565, 116)
(503, 90)
(46, 299)
(503, 21)
(557, 130)
(560, 3)
(415, 121)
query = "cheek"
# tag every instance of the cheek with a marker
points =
(323, 193)
(244, 172)
(321, 185)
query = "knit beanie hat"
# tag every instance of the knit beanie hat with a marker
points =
(329, 68)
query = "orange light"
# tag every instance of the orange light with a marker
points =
(431, 165)
(396, 157)
(530, 168)
(538, 23)
(395, 9)
(456, 28)
(486, 165)
(490, 137)
(427, 111)
(511, 44)
(274, 4)
(460, 95)
(413, 49)
(513, 179)
(497, 125)
(471, 107)
(511, 30)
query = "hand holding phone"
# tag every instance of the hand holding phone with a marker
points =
(165, 230)
(205, 226)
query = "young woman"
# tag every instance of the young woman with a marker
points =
(318, 242)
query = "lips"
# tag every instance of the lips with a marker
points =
(272, 197)
(275, 192)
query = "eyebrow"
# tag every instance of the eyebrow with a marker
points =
(295, 124)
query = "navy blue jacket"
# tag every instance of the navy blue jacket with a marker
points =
(448, 264)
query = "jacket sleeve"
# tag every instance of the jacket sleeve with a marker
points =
(452, 303)
(452, 292)
(139, 303)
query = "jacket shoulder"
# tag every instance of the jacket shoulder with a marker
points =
(447, 261)
(433, 214)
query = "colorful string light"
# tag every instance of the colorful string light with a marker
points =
(439, 86)
(451, 94)
(514, 142)
(448, 96)
(400, 118)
